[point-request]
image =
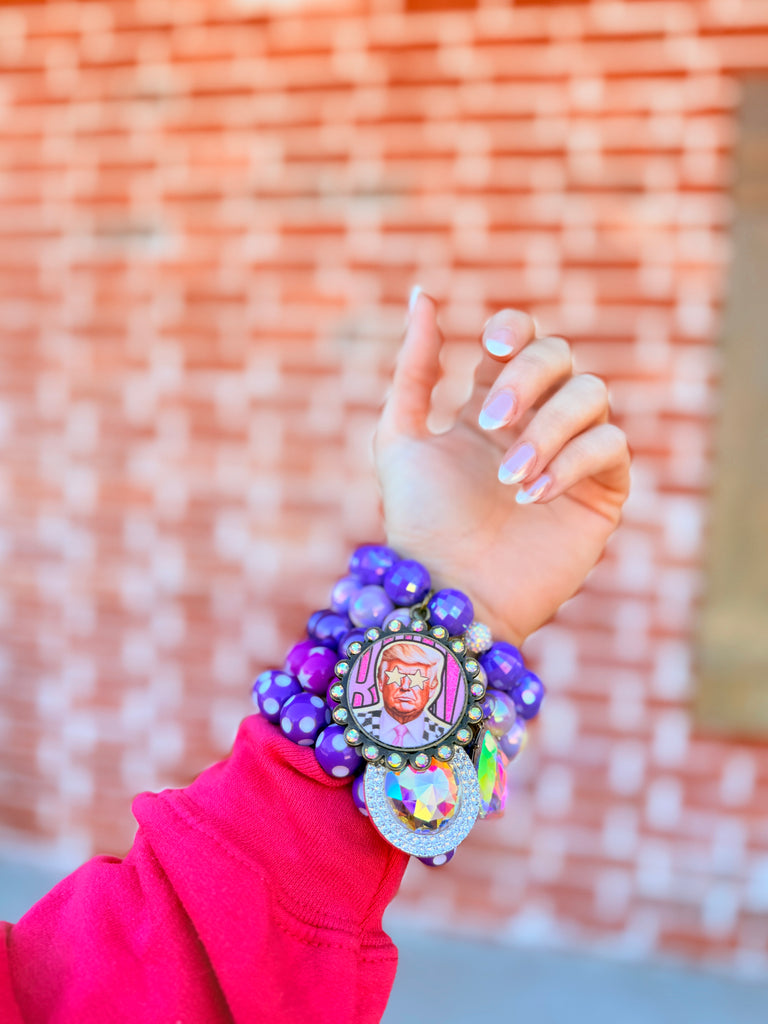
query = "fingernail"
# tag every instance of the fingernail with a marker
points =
(530, 494)
(414, 297)
(500, 342)
(496, 410)
(514, 469)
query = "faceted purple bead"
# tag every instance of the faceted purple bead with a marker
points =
(358, 794)
(328, 629)
(302, 717)
(503, 665)
(500, 712)
(511, 743)
(407, 582)
(438, 860)
(370, 562)
(452, 609)
(343, 592)
(370, 607)
(297, 655)
(271, 690)
(353, 635)
(334, 754)
(316, 671)
(528, 695)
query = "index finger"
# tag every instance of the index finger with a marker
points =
(505, 334)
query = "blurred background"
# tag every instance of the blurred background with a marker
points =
(211, 215)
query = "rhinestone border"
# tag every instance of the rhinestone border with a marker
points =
(395, 832)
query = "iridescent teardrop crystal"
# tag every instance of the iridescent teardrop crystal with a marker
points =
(491, 775)
(424, 801)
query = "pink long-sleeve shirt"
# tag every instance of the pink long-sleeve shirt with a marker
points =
(255, 894)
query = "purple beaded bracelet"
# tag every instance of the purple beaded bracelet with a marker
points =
(398, 689)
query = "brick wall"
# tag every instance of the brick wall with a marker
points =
(210, 217)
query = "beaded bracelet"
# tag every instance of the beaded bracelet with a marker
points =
(399, 689)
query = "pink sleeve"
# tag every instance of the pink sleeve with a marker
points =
(254, 894)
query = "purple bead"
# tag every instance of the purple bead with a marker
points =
(328, 629)
(353, 635)
(503, 665)
(316, 670)
(500, 712)
(334, 754)
(370, 607)
(302, 717)
(271, 690)
(358, 794)
(528, 695)
(401, 614)
(297, 655)
(438, 860)
(343, 592)
(452, 609)
(314, 619)
(370, 562)
(512, 742)
(407, 582)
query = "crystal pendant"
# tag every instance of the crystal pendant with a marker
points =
(424, 801)
(491, 775)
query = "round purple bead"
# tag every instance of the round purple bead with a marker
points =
(438, 860)
(512, 741)
(353, 635)
(407, 582)
(297, 655)
(343, 592)
(500, 712)
(528, 695)
(358, 794)
(370, 562)
(271, 690)
(452, 609)
(302, 717)
(315, 617)
(503, 665)
(370, 607)
(401, 614)
(330, 628)
(334, 754)
(316, 671)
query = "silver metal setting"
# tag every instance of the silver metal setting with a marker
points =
(424, 844)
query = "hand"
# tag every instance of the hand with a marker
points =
(449, 499)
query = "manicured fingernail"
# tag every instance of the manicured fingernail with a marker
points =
(500, 342)
(515, 468)
(496, 410)
(414, 297)
(530, 494)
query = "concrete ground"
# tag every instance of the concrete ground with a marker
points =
(456, 981)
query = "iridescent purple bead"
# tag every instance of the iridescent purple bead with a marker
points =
(407, 582)
(370, 562)
(271, 690)
(354, 635)
(315, 617)
(438, 860)
(316, 671)
(403, 615)
(528, 695)
(452, 609)
(499, 711)
(297, 655)
(370, 607)
(328, 629)
(503, 665)
(334, 754)
(511, 743)
(302, 717)
(343, 592)
(358, 794)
